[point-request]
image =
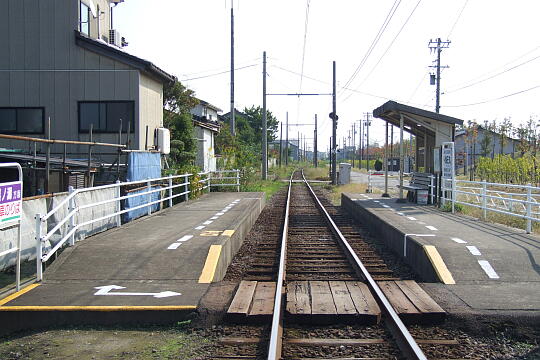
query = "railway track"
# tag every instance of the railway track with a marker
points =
(312, 253)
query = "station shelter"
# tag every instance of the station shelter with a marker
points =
(430, 130)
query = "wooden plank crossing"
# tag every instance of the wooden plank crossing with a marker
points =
(253, 299)
(411, 302)
(323, 302)
(331, 301)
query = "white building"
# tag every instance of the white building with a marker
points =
(205, 120)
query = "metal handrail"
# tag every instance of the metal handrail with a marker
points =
(73, 210)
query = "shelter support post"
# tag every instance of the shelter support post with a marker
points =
(401, 124)
(386, 162)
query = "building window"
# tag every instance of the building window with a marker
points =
(84, 20)
(22, 120)
(106, 115)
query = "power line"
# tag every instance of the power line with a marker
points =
(219, 73)
(304, 47)
(492, 76)
(457, 19)
(374, 42)
(499, 98)
(500, 67)
(389, 46)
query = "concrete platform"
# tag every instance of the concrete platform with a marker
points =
(470, 265)
(154, 269)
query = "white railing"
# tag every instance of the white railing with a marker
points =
(158, 185)
(521, 201)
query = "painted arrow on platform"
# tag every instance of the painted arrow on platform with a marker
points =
(106, 290)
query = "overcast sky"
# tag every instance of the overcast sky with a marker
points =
(191, 39)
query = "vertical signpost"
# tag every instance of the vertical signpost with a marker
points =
(11, 194)
(448, 170)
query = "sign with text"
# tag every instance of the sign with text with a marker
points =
(448, 160)
(10, 201)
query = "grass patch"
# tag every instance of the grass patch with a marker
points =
(336, 191)
(270, 187)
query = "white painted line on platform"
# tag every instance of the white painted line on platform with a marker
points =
(411, 218)
(185, 238)
(474, 250)
(219, 214)
(214, 217)
(433, 228)
(237, 200)
(174, 246)
(386, 206)
(225, 210)
(400, 213)
(200, 227)
(421, 223)
(486, 266)
(106, 290)
(458, 240)
(207, 222)
(354, 199)
(377, 201)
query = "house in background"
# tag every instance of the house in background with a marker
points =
(467, 152)
(205, 119)
(64, 60)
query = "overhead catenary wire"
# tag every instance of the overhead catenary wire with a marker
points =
(374, 42)
(388, 48)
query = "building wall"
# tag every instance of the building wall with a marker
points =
(150, 109)
(204, 111)
(41, 66)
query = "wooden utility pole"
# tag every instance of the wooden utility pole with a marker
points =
(287, 139)
(280, 142)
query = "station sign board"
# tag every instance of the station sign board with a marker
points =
(10, 202)
(448, 160)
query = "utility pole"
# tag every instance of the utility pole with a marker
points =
(280, 142)
(361, 143)
(287, 139)
(299, 146)
(437, 46)
(334, 118)
(232, 120)
(264, 145)
(354, 143)
(368, 123)
(315, 151)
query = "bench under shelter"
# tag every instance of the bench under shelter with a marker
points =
(430, 130)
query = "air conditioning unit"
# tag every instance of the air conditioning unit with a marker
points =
(115, 38)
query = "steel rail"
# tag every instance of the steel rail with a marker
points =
(276, 334)
(403, 338)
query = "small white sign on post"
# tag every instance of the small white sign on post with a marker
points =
(448, 160)
(448, 172)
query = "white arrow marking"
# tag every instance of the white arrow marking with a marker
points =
(106, 290)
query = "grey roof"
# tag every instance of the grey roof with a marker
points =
(102, 48)
(391, 109)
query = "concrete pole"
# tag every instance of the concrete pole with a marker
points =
(287, 139)
(280, 142)
(264, 145)
(232, 120)
(48, 158)
(315, 151)
(334, 124)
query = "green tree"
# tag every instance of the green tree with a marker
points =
(177, 103)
